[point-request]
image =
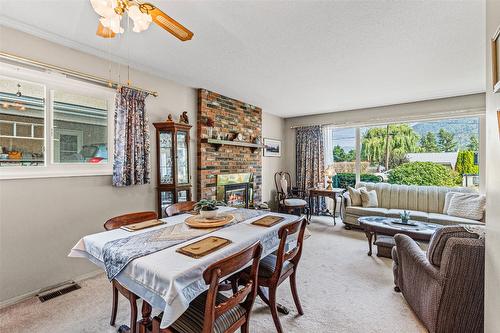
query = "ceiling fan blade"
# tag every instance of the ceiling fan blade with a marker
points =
(168, 23)
(104, 32)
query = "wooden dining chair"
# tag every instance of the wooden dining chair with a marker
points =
(275, 269)
(214, 312)
(179, 208)
(290, 199)
(115, 223)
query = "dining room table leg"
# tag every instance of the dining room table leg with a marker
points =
(146, 317)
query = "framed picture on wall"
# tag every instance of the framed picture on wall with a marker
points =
(272, 147)
(495, 57)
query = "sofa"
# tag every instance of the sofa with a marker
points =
(445, 286)
(425, 203)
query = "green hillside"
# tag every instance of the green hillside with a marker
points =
(461, 128)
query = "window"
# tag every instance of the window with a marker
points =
(51, 125)
(439, 152)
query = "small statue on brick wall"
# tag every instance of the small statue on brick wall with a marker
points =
(184, 118)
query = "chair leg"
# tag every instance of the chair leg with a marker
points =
(263, 296)
(114, 306)
(274, 309)
(133, 313)
(296, 299)
(245, 327)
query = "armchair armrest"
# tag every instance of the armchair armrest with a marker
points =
(409, 253)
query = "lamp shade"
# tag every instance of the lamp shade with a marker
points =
(330, 171)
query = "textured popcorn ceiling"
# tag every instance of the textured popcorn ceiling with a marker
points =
(291, 57)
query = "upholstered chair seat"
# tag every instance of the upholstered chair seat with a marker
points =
(192, 319)
(268, 265)
(295, 202)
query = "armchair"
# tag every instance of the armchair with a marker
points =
(445, 287)
(290, 199)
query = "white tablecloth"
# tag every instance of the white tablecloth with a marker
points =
(169, 280)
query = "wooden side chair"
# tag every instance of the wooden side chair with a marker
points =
(179, 208)
(275, 269)
(290, 199)
(213, 312)
(115, 223)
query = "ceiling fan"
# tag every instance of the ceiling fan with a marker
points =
(141, 13)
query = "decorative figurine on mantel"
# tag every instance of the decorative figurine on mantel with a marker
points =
(184, 118)
(169, 118)
(210, 127)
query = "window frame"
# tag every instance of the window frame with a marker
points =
(52, 82)
(358, 138)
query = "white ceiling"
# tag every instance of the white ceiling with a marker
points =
(292, 57)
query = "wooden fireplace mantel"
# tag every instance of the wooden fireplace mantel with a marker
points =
(219, 143)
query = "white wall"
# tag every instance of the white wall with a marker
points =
(41, 219)
(273, 127)
(430, 109)
(492, 293)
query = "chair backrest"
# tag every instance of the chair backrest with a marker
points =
(293, 255)
(225, 267)
(282, 181)
(179, 208)
(118, 221)
(440, 239)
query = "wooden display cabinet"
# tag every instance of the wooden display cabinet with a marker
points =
(173, 176)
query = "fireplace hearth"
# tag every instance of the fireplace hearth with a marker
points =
(236, 190)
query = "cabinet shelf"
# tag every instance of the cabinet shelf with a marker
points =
(219, 143)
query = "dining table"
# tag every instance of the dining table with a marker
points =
(167, 280)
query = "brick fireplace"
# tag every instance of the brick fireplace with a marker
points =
(229, 117)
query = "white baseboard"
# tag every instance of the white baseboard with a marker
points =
(20, 298)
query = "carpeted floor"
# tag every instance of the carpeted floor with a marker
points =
(341, 289)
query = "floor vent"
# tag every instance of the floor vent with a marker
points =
(58, 291)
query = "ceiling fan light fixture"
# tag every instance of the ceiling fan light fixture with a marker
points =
(141, 20)
(105, 8)
(113, 23)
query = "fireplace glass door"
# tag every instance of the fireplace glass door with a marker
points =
(236, 195)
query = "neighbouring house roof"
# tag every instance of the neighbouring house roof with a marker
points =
(446, 159)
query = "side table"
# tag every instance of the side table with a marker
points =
(321, 192)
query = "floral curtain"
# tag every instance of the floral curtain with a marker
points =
(310, 160)
(131, 156)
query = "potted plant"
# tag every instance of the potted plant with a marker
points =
(208, 208)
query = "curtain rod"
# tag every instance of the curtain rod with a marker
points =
(69, 72)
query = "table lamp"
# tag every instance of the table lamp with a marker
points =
(330, 172)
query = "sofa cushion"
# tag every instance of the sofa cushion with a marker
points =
(414, 214)
(369, 198)
(449, 220)
(467, 205)
(355, 195)
(439, 239)
(366, 211)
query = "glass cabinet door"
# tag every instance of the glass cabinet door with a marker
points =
(182, 195)
(166, 199)
(166, 155)
(182, 158)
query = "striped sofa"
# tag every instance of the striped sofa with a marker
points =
(425, 203)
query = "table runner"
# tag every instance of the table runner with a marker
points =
(118, 253)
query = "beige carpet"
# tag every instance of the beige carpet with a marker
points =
(341, 288)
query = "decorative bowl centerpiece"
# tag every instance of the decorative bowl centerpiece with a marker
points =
(208, 209)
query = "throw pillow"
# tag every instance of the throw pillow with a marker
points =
(369, 198)
(355, 195)
(447, 200)
(467, 205)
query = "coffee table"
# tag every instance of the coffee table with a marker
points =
(380, 225)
